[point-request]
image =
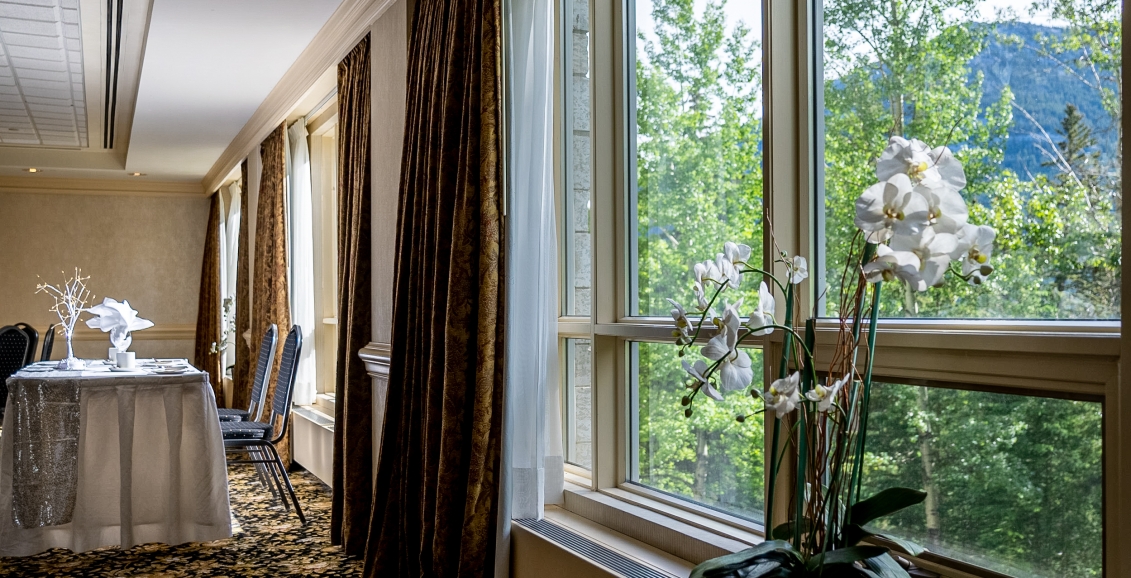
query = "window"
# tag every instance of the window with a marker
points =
(322, 126)
(988, 397)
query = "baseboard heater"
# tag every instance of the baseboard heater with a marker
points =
(591, 550)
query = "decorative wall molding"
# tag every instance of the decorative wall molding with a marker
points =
(346, 26)
(377, 359)
(164, 332)
(110, 187)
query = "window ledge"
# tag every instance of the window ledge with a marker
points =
(683, 534)
(313, 414)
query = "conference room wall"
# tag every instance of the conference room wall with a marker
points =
(144, 249)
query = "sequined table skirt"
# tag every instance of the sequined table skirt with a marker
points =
(91, 459)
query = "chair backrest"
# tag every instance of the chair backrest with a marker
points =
(263, 372)
(48, 342)
(285, 381)
(33, 340)
(13, 350)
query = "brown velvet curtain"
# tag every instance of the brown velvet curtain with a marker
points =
(271, 303)
(436, 498)
(208, 307)
(353, 409)
(241, 372)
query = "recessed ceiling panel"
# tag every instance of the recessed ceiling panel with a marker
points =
(42, 98)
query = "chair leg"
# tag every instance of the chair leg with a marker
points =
(287, 479)
(266, 476)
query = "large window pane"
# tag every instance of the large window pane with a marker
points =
(709, 457)
(697, 143)
(1013, 483)
(1027, 96)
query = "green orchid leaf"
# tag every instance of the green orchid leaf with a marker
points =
(886, 502)
(844, 556)
(785, 531)
(885, 567)
(774, 552)
(902, 545)
(852, 534)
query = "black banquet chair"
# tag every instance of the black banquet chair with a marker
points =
(257, 439)
(33, 341)
(258, 385)
(48, 343)
(14, 344)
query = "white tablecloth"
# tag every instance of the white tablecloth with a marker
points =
(150, 465)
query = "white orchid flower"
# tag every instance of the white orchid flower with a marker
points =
(118, 319)
(729, 273)
(798, 269)
(890, 265)
(891, 208)
(949, 169)
(979, 243)
(708, 271)
(735, 370)
(934, 251)
(946, 210)
(783, 395)
(826, 396)
(763, 315)
(700, 296)
(737, 253)
(698, 371)
(682, 331)
(910, 157)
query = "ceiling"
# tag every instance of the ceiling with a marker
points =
(106, 88)
(42, 95)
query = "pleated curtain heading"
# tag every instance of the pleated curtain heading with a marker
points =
(353, 408)
(437, 487)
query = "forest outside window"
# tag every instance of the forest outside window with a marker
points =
(1028, 97)
(696, 149)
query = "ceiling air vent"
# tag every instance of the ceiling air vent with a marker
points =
(113, 56)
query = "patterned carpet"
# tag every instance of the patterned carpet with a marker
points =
(268, 542)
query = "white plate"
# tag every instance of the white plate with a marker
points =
(126, 369)
(37, 369)
(171, 371)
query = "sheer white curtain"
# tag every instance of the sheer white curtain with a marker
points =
(302, 257)
(533, 465)
(230, 236)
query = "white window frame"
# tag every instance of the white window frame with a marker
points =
(1018, 357)
(322, 125)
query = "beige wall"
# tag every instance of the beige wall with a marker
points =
(145, 249)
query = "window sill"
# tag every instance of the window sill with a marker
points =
(686, 535)
(629, 547)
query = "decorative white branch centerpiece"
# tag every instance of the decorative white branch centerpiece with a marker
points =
(913, 228)
(119, 320)
(70, 301)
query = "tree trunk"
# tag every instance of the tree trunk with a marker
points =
(931, 504)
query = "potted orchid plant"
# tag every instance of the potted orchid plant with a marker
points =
(913, 229)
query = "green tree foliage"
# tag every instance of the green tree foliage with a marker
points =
(699, 183)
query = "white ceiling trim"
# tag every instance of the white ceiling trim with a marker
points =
(346, 26)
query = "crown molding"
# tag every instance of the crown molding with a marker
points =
(346, 26)
(109, 187)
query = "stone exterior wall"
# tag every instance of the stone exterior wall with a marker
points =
(579, 353)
